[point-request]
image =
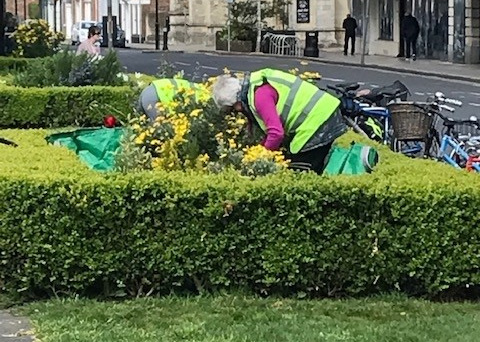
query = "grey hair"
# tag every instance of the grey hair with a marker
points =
(226, 90)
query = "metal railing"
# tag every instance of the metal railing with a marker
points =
(281, 44)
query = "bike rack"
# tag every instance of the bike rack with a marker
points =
(281, 44)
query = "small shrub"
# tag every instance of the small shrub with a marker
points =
(36, 39)
(9, 64)
(65, 68)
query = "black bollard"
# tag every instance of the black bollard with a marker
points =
(166, 29)
(311, 44)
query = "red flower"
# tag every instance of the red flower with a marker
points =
(109, 121)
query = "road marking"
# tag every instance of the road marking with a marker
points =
(474, 104)
(476, 94)
(333, 79)
(419, 93)
(209, 68)
(375, 86)
(181, 63)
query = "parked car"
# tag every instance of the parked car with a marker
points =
(80, 31)
(120, 41)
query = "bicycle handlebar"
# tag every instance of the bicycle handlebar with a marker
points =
(349, 94)
(451, 122)
(454, 102)
(448, 108)
(440, 97)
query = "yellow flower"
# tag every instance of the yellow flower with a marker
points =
(231, 143)
(241, 121)
(141, 138)
(196, 112)
(204, 158)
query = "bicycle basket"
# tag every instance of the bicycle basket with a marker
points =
(409, 122)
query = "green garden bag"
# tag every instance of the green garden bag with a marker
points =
(355, 160)
(94, 146)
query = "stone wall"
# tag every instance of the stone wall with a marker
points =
(472, 31)
(196, 21)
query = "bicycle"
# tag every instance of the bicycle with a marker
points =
(362, 111)
(460, 151)
(414, 123)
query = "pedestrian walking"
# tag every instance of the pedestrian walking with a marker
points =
(292, 113)
(410, 30)
(350, 26)
(89, 45)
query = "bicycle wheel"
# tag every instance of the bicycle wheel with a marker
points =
(432, 145)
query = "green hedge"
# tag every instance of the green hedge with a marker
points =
(411, 226)
(62, 106)
(8, 64)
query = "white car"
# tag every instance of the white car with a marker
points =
(80, 31)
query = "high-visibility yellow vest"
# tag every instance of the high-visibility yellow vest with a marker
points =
(167, 88)
(303, 108)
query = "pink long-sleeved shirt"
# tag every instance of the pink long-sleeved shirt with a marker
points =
(266, 98)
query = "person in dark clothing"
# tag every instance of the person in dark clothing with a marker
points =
(350, 26)
(410, 30)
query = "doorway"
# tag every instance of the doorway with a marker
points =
(432, 17)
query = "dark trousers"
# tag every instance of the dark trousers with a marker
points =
(315, 159)
(411, 46)
(345, 47)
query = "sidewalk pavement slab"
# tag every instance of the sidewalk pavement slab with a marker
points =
(425, 67)
(14, 328)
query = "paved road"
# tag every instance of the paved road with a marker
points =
(196, 65)
(14, 328)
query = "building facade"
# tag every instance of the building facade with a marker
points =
(22, 9)
(449, 29)
(136, 17)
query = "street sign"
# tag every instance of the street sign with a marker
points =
(303, 11)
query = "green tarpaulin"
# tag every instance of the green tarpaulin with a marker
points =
(94, 146)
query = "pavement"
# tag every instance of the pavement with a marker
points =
(426, 67)
(14, 328)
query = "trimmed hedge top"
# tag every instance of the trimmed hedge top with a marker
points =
(62, 106)
(35, 157)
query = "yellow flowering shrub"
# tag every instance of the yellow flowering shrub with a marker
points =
(191, 133)
(36, 39)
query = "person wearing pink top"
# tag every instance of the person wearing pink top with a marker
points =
(293, 113)
(89, 45)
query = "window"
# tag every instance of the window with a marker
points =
(357, 13)
(386, 19)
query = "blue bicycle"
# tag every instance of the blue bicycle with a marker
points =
(456, 147)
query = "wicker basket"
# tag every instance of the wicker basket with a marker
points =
(409, 121)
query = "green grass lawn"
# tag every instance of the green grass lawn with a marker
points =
(236, 318)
